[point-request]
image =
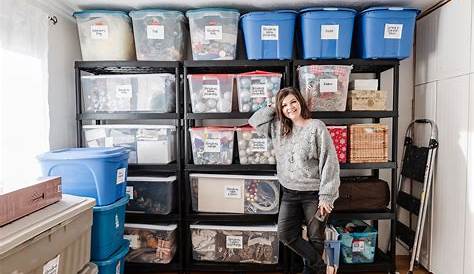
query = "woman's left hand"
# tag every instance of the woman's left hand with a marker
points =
(325, 208)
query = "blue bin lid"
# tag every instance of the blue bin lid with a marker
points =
(118, 203)
(204, 10)
(146, 12)
(83, 153)
(83, 13)
(390, 8)
(269, 13)
(327, 9)
(123, 250)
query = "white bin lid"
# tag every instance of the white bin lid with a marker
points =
(151, 179)
(232, 176)
(170, 227)
(262, 228)
(130, 126)
(121, 76)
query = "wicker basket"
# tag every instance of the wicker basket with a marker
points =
(368, 143)
(366, 100)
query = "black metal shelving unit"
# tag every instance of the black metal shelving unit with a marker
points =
(174, 168)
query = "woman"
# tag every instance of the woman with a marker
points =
(308, 170)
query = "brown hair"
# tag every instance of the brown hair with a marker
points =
(286, 125)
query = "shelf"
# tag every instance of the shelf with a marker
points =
(120, 67)
(231, 115)
(385, 165)
(147, 218)
(173, 167)
(375, 215)
(317, 115)
(232, 218)
(127, 116)
(359, 65)
(132, 268)
(233, 267)
(237, 66)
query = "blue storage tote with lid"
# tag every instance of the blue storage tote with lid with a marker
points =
(269, 34)
(108, 227)
(358, 242)
(385, 32)
(98, 173)
(115, 263)
(326, 32)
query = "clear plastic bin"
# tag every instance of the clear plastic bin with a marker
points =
(256, 89)
(212, 145)
(148, 144)
(211, 92)
(324, 87)
(254, 148)
(358, 242)
(151, 195)
(213, 33)
(159, 34)
(129, 92)
(244, 194)
(238, 244)
(151, 243)
(105, 35)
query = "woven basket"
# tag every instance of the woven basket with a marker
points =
(368, 143)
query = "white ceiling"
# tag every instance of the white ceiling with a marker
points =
(242, 5)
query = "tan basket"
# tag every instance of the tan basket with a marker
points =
(366, 100)
(368, 143)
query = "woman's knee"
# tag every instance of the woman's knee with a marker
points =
(287, 236)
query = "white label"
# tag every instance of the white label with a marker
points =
(123, 91)
(329, 32)
(117, 221)
(52, 267)
(358, 246)
(109, 142)
(94, 134)
(210, 91)
(213, 33)
(269, 33)
(212, 145)
(117, 268)
(234, 242)
(258, 87)
(258, 145)
(134, 241)
(232, 192)
(393, 31)
(129, 191)
(100, 32)
(155, 32)
(120, 175)
(328, 85)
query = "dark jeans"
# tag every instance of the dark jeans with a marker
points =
(298, 207)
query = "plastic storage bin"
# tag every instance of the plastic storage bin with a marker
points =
(339, 138)
(115, 263)
(99, 173)
(256, 89)
(244, 194)
(326, 32)
(147, 144)
(269, 34)
(358, 242)
(151, 243)
(254, 148)
(107, 229)
(57, 236)
(213, 33)
(212, 145)
(105, 35)
(324, 87)
(385, 32)
(152, 195)
(129, 92)
(239, 244)
(211, 92)
(159, 34)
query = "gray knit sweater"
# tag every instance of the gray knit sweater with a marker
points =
(306, 159)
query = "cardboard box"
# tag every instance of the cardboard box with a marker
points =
(364, 84)
(21, 202)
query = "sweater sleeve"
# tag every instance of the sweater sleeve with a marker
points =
(328, 166)
(263, 121)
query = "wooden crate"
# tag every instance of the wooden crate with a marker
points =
(366, 100)
(368, 143)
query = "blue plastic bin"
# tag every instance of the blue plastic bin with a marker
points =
(107, 229)
(333, 251)
(385, 32)
(114, 264)
(269, 34)
(358, 247)
(98, 173)
(326, 32)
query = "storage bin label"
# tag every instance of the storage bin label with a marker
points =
(328, 85)
(329, 32)
(212, 145)
(134, 240)
(129, 191)
(123, 91)
(120, 175)
(234, 242)
(100, 32)
(258, 87)
(155, 32)
(94, 134)
(393, 31)
(258, 145)
(269, 32)
(232, 192)
(52, 267)
(210, 89)
(358, 246)
(212, 32)
(117, 268)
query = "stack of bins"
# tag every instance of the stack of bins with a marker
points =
(99, 173)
